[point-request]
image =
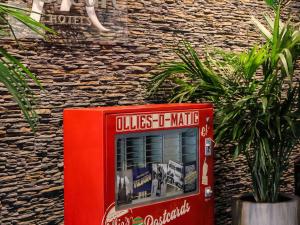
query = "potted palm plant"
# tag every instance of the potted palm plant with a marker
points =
(257, 103)
(13, 74)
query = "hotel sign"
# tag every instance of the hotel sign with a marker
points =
(96, 14)
(65, 6)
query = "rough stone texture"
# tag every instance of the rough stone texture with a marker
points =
(90, 72)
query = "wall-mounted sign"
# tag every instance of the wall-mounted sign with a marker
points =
(134, 122)
(101, 19)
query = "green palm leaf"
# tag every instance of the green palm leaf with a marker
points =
(258, 115)
(13, 74)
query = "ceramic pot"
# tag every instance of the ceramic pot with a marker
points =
(245, 211)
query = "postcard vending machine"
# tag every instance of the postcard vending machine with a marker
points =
(139, 165)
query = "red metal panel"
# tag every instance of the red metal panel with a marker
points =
(83, 167)
(89, 136)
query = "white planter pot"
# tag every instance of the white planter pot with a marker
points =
(251, 213)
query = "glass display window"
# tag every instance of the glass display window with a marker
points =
(154, 166)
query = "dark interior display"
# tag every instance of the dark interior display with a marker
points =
(152, 166)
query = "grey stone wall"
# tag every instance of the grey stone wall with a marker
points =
(89, 72)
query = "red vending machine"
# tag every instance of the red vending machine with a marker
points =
(139, 165)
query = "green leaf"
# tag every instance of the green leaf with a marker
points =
(284, 63)
(262, 28)
(272, 3)
(264, 101)
(275, 40)
(21, 16)
(13, 74)
(236, 152)
(20, 91)
(258, 115)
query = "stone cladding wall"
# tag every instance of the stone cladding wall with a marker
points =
(89, 72)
